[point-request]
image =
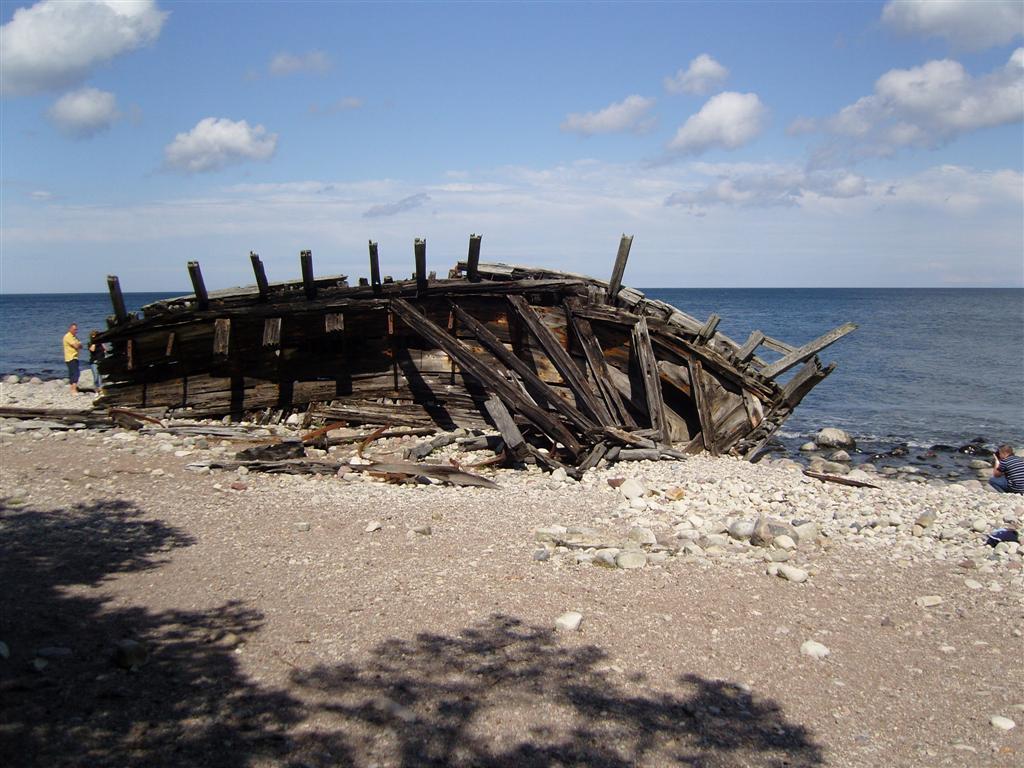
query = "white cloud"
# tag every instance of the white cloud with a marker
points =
(289, 64)
(967, 24)
(930, 105)
(728, 120)
(41, 195)
(400, 206)
(84, 113)
(217, 142)
(764, 185)
(628, 115)
(57, 44)
(703, 74)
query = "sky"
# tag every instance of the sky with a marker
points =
(759, 144)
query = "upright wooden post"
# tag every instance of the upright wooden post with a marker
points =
(306, 260)
(420, 248)
(117, 298)
(473, 260)
(374, 268)
(198, 286)
(261, 275)
(615, 284)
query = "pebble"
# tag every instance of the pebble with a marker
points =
(814, 649)
(1002, 723)
(423, 530)
(373, 525)
(792, 573)
(302, 526)
(633, 489)
(569, 622)
(928, 601)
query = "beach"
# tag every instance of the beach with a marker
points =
(167, 613)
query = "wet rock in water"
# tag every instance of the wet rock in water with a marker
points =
(979, 464)
(569, 621)
(831, 437)
(839, 456)
(974, 449)
(11, 379)
(809, 446)
(814, 649)
(130, 654)
(900, 450)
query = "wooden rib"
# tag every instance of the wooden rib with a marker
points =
(564, 364)
(510, 433)
(599, 367)
(652, 380)
(221, 336)
(801, 354)
(510, 360)
(750, 346)
(708, 329)
(615, 284)
(484, 373)
(700, 396)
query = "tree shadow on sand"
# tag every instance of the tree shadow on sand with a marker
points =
(499, 693)
(504, 693)
(187, 702)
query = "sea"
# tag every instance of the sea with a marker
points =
(926, 366)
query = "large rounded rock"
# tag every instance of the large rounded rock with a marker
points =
(831, 437)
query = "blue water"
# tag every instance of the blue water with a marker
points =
(926, 365)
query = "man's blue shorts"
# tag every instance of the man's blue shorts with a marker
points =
(73, 371)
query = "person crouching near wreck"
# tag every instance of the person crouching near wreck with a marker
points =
(1008, 472)
(72, 346)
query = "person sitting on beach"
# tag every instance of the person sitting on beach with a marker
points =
(72, 346)
(1008, 473)
(96, 353)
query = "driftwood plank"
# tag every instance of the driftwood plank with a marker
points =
(648, 364)
(564, 364)
(510, 433)
(750, 346)
(221, 336)
(838, 479)
(615, 284)
(479, 370)
(801, 354)
(272, 332)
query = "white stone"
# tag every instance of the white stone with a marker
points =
(631, 558)
(559, 475)
(792, 573)
(831, 437)
(569, 622)
(642, 535)
(928, 601)
(633, 488)
(373, 525)
(1002, 723)
(814, 649)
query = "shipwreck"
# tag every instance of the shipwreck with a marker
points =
(568, 369)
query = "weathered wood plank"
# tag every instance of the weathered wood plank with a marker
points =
(198, 286)
(308, 281)
(261, 276)
(514, 441)
(511, 361)
(801, 354)
(599, 368)
(708, 329)
(374, 269)
(488, 378)
(701, 398)
(615, 284)
(221, 336)
(334, 322)
(648, 364)
(473, 259)
(117, 298)
(420, 251)
(750, 346)
(272, 332)
(564, 364)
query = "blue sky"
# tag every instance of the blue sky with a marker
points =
(742, 144)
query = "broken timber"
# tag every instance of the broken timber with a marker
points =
(569, 369)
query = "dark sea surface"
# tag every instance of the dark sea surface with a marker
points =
(926, 365)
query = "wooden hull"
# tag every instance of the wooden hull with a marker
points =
(562, 362)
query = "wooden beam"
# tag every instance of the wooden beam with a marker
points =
(170, 344)
(117, 298)
(708, 329)
(221, 336)
(261, 275)
(778, 346)
(473, 259)
(514, 363)
(308, 282)
(334, 322)
(198, 286)
(485, 374)
(808, 350)
(750, 346)
(510, 433)
(615, 284)
(272, 332)
(564, 364)
(599, 367)
(374, 268)
(420, 249)
(648, 363)
(701, 399)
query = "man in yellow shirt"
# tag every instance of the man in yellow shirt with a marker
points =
(71, 348)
